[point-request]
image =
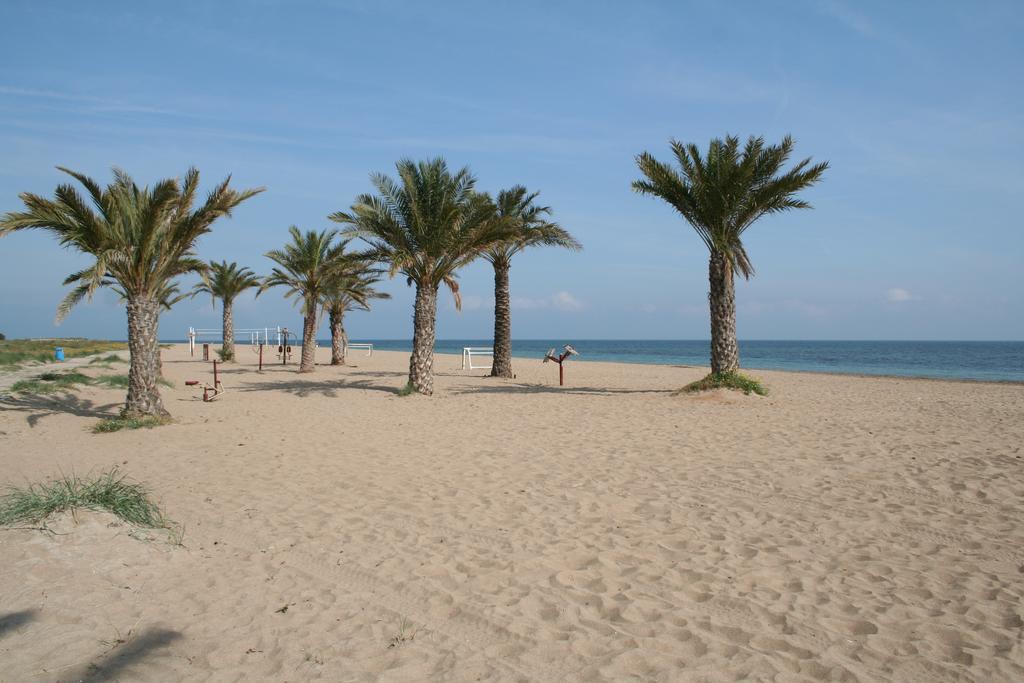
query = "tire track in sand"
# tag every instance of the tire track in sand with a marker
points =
(464, 628)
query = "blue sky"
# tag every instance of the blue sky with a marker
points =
(915, 234)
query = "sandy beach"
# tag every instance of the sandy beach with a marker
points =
(842, 529)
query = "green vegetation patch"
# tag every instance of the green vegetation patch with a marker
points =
(107, 360)
(116, 424)
(111, 492)
(50, 383)
(18, 351)
(407, 390)
(121, 381)
(727, 380)
(112, 381)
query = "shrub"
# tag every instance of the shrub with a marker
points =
(727, 380)
(116, 424)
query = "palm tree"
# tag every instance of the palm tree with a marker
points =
(225, 281)
(141, 240)
(349, 289)
(427, 225)
(721, 195)
(168, 295)
(531, 229)
(306, 266)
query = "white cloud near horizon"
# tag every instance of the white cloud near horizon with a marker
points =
(898, 295)
(560, 301)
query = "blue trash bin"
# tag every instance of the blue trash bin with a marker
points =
(58, 353)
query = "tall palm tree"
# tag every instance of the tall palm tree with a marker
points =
(426, 225)
(529, 221)
(720, 195)
(349, 289)
(168, 295)
(141, 239)
(225, 281)
(305, 267)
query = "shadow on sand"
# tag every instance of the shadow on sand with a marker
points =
(39, 407)
(110, 665)
(301, 386)
(15, 620)
(512, 388)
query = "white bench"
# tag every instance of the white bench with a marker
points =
(467, 357)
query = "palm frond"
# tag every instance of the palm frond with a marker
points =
(141, 238)
(723, 192)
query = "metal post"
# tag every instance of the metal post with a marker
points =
(261, 358)
(216, 382)
(561, 374)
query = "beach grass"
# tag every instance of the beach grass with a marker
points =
(121, 381)
(107, 360)
(726, 380)
(111, 492)
(407, 390)
(117, 424)
(50, 383)
(19, 351)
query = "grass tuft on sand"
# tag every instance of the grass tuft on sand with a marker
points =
(107, 360)
(121, 381)
(50, 383)
(726, 380)
(408, 390)
(110, 492)
(116, 424)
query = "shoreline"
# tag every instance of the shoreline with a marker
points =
(744, 368)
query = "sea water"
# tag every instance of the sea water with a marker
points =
(994, 361)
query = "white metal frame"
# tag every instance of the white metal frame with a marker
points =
(257, 335)
(360, 345)
(467, 357)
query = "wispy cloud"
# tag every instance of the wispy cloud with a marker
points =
(694, 83)
(95, 104)
(559, 301)
(898, 295)
(848, 17)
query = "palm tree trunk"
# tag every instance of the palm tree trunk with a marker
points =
(725, 352)
(144, 356)
(228, 352)
(338, 341)
(308, 362)
(159, 363)
(502, 365)
(421, 363)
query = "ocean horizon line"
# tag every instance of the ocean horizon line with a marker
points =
(998, 361)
